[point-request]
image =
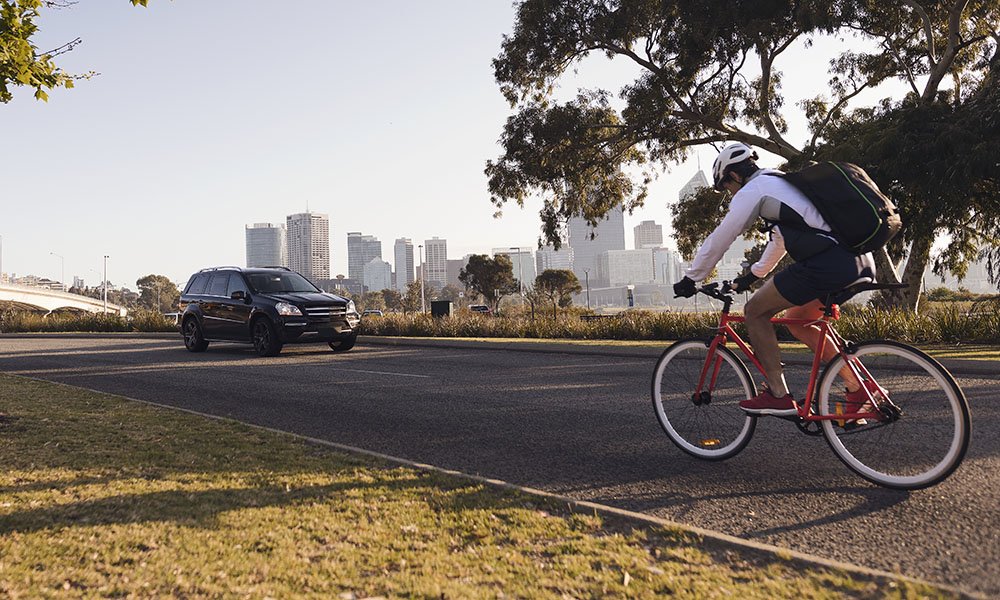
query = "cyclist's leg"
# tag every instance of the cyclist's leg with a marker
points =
(764, 304)
(810, 335)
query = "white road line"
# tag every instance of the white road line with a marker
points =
(385, 373)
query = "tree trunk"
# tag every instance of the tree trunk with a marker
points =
(913, 273)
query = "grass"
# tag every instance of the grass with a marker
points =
(105, 497)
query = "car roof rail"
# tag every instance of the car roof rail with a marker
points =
(227, 267)
(283, 268)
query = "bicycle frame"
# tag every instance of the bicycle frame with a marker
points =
(726, 332)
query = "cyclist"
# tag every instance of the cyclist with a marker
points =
(821, 266)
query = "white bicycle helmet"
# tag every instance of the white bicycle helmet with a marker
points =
(730, 155)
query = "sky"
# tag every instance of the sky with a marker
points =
(209, 116)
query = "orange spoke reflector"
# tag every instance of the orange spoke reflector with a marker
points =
(712, 442)
(839, 409)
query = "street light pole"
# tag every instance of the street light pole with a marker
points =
(423, 305)
(586, 274)
(105, 283)
(62, 273)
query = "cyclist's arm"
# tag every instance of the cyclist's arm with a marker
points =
(743, 211)
(773, 253)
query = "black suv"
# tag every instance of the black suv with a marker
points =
(267, 307)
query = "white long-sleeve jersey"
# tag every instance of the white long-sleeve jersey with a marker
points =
(760, 197)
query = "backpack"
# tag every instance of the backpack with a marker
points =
(861, 217)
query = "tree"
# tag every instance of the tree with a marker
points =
(393, 300)
(450, 292)
(412, 300)
(372, 301)
(158, 293)
(558, 285)
(709, 74)
(21, 64)
(491, 277)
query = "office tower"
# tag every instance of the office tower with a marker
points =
(436, 261)
(648, 235)
(666, 266)
(377, 275)
(361, 249)
(698, 180)
(455, 267)
(308, 236)
(557, 260)
(608, 235)
(524, 264)
(402, 253)
(266, 245)
(625, 267)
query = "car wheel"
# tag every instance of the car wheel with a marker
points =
(265, 338)
(194, 341)
(344, 345)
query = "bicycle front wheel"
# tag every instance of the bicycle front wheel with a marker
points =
(924, 432)
(708, 424)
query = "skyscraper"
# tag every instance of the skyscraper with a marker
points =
(549, 258)
(698, 180)
(648, 235)
(608, 235)
(524, 265)
(361, 249)
(402, 253)
(377, 275)
(308, 236)
(266, 245)
(436, 261)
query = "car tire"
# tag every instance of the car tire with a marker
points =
(345, 344)
(194, 341)
(265, 338)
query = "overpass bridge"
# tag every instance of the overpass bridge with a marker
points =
(42, 299)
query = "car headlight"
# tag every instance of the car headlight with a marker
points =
(289, 310)
(350, 307)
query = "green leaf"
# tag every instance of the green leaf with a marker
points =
(41, 95)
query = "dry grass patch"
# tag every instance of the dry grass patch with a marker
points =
(101, 497)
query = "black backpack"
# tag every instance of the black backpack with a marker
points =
(861, 217)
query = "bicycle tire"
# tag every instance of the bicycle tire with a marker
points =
(921, 447)
(716, 430)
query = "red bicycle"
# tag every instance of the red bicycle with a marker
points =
(910, 432)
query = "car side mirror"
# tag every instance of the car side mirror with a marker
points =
(239, 295)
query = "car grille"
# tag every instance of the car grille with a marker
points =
(323, 314)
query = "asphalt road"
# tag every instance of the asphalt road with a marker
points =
(578, 425)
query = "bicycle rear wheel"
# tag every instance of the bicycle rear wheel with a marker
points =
(924, 432)
(709, 425)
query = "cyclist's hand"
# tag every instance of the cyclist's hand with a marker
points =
(685, 288)
(743, 282)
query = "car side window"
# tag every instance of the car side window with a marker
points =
(219, 284)
(198, 284)
(236, 285)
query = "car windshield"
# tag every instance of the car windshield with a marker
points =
(274, 283)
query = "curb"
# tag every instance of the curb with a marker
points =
(707, 537)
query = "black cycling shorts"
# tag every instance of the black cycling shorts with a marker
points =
(829, 271)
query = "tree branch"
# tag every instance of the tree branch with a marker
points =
(928, 29)
(764, 95)
(836, 107)
(941, 68)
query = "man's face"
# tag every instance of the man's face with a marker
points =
(732, 183)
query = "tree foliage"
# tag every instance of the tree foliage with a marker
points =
(559, 286)
(158, 293)
(491, 277)
(710, 74)
(21, 62)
